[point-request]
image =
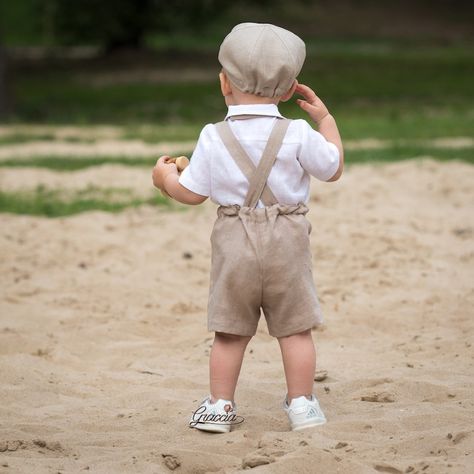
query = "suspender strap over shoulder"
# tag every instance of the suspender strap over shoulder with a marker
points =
(257, 176)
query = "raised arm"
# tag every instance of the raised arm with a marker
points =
(325, 122)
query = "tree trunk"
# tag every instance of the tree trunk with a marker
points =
(4, 102)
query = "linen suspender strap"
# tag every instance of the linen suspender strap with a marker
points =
(257, 176)
(239, 155)
(259, 179)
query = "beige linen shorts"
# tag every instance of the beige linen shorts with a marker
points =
(261, 258)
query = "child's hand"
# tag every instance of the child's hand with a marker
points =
(313, 104)
(161, 170)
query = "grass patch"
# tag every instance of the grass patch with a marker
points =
(55, 203)
(393, 152)
(69, 163)
(381, 92)
(60, 163)
(73, 139)
(398, 153)
(18, 138)
(161, 133)
(405, 122)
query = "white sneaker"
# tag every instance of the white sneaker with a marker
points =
(216, 417)
(304, 413)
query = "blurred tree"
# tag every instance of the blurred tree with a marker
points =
(5, 96)
(20, 23)
(111, 23)
(3, 86)
(125, 23)
(116, 24)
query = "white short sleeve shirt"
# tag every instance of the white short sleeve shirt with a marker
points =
(305, 152)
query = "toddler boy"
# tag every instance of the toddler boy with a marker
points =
(256, 166)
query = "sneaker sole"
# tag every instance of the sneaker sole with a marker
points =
(213, 427)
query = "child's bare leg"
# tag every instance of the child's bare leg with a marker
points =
(299, 361)
(225, 362)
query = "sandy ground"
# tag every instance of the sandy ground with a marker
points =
(102, 148)
(104, 345)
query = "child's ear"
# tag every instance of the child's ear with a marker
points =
(226, 89)
(289, 94)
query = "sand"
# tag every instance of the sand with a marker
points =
(104, 344)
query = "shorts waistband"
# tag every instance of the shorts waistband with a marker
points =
(262, 213)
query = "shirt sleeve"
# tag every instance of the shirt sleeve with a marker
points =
(196, 177)
(317, 156)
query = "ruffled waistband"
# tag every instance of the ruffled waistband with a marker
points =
(262, 212)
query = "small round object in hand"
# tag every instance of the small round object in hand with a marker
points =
(181, 162)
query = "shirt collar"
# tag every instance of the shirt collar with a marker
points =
(253, 109)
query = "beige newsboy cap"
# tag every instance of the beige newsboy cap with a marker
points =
(262, 59)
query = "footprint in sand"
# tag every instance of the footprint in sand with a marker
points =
(458, 437)
(171, 461)
(52, 446)
(387, 468)
(11, 445)
(379, 397)
(256, 459)
(320, 375)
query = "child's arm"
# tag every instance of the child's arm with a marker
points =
(165, 177)
(325, 121)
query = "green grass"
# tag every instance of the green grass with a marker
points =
(146, 133)
(393, 152)
(406, 121)
(54, 203)
(407, 152)
(67, 163)
(160, 133)
(16, 138)
(373, 90)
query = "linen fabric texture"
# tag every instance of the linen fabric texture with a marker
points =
(261, 258)
(262, 59)
(304, 153)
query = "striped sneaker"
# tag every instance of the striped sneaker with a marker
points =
(304, 413)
